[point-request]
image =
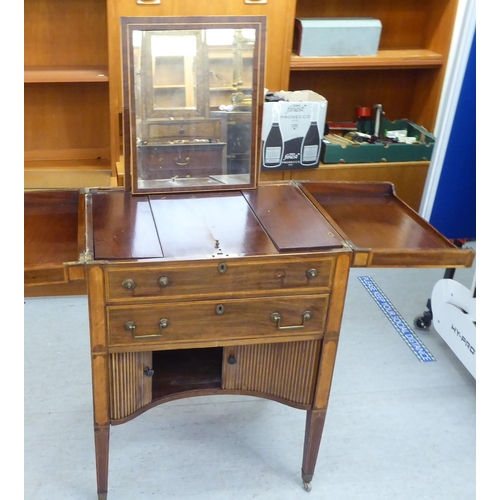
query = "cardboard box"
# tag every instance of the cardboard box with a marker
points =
(420, 149)
(337, 36)
(292, 130)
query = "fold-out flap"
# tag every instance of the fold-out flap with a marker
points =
(205, 225)
(51, 221)
(123, 227)
(290, 219)
(382, 230)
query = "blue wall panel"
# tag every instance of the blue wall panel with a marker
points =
(454, 208)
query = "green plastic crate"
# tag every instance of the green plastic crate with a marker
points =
(421, 150)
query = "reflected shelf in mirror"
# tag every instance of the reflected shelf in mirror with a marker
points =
(195, 90)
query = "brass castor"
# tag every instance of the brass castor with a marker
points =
(307, 486)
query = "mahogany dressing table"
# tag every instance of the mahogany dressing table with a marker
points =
(205, 283)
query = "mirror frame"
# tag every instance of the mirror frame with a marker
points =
(128, 24)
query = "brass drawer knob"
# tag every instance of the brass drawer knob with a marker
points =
(128, 284)
(276, 317)
(219, 309)
(222, 268)
(149, 372)
(163, 323)
(130, 326)
(163, 281)
(312, 273)
(231, 360)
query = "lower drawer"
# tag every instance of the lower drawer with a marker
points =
(163, 162)
(45, 276)
(212, 320)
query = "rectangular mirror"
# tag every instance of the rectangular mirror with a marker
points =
(193, 97)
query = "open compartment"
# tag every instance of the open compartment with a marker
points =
(182, 370)
(54, 238)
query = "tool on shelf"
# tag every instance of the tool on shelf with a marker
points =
(378, 115)
(367, 129)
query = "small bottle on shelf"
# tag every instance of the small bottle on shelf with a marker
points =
(364, 123)
(309, 151)
(273, 145)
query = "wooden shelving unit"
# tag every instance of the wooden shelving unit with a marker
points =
(66, 94)
(65, 74)
(415, 58)
(405, 76)
(73, 81)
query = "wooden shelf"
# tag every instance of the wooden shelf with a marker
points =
(410, 58)
(228, 89)
(65, 74)
(383, 164)
(66, 174)
(32, 164)
(168, 87)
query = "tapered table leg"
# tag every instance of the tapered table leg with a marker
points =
(100, 377)
(315, 422)
(101, 438)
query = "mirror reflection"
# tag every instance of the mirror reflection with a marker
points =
(192, 107)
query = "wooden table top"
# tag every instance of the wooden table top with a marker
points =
(266, 221)
(273, 219)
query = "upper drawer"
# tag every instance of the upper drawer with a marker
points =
(202, 129)
(216, 320)
(220, 278)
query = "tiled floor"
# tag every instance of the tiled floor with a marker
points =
(397, 428)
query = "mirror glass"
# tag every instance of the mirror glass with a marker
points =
(194, 95)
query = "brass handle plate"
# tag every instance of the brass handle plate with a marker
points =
(182, 163)
(276, 317)
(162, 325)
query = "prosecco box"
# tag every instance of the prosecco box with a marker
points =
(292, 130)
(416, 144)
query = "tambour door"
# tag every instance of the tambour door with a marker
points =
(285, 371)
(130, 380)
